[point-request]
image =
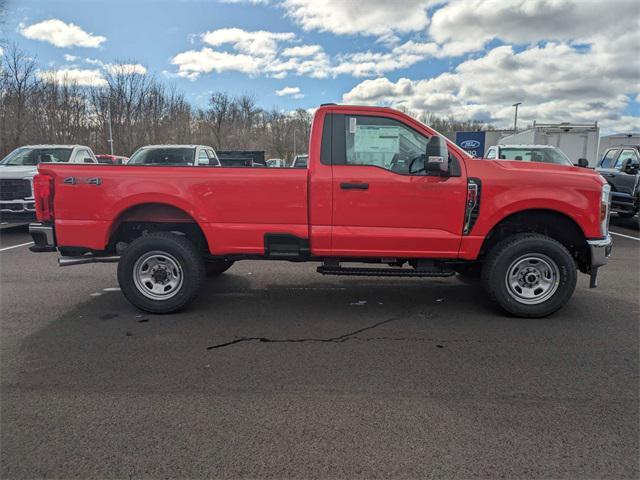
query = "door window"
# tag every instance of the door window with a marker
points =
(203, 159)
(608, 158)
(213, 159)
(385, 143)
(83, 156)
(624, 156)
(491, 154)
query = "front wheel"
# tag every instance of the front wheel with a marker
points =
(161, 272)
(530, 275)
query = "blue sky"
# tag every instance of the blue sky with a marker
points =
(469, 59)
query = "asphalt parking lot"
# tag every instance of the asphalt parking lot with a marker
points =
(277, 371)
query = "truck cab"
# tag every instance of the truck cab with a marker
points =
(620, 166)
(383, 195)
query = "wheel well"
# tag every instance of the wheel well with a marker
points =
(146, 218)
(546, 222)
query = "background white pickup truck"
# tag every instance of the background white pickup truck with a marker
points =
(16, 177)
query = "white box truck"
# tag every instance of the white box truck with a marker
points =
(575, 140)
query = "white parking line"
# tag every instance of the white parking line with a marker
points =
(625, 236)
(15, 246)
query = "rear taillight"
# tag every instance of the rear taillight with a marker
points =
(43, 196)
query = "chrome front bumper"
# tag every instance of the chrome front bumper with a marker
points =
(600, 252)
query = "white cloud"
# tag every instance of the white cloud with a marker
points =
(381, 18)
(259, 42)
(61, 34)
(1, 51)
(70, 58)
(290, 91)
(367, 64)
(68, 76)
(252, 53)
(466, 25)
(302, 51)
(125, 68)
(556, 82)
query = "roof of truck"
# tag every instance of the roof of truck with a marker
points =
(176, 146)
(54, 146)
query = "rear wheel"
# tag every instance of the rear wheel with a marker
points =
(161, 272)
(530, 275)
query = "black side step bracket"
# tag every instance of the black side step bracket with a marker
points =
(383, 272)
(286, 247)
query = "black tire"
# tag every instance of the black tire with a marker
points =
(501, 270)
(217, 267)
(189, 267)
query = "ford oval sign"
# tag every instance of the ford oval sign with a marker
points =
(470, 144)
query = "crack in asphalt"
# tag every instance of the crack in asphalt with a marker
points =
(339, 339)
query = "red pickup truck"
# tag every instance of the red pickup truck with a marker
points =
(382, 192)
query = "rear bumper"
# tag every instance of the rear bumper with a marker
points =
(44, 239)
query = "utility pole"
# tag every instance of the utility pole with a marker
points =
(515, 119)
(110, 141)
(294, 140)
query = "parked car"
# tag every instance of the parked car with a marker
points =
(112, 159)
(382, 190)
(300, 161)
(241, 158)
(528, 153)
(176, 155)
(276, 163)
(620, 166)
(17, 169)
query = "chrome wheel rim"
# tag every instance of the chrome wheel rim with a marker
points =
(158, 275)
(532, 279)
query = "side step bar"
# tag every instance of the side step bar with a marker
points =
(383, 272)
(68, 261)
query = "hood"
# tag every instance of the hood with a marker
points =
(18, 171)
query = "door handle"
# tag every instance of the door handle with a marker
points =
(354, 186)
(94, 181)
(70, 181)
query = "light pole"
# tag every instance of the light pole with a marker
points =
(110, 141)
(515, 119)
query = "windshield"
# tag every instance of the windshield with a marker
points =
(527, 154)
(163, 156)
(34, 156)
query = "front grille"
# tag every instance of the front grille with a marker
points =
(14, 189)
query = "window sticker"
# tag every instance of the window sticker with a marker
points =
(352, 124)
(376, 139)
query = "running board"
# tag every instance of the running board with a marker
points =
(383, 272)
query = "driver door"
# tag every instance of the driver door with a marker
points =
(384, 203)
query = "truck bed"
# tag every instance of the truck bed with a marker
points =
(235, 207)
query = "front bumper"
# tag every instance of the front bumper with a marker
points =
(600, 252)
(44, 239)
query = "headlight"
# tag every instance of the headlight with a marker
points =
(605, 201)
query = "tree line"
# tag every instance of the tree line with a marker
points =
(142, 110)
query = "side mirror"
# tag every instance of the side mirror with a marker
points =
(631, 168)
(583, 162)
(437, 156)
